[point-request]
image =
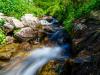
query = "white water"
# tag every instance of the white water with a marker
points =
(35, 61)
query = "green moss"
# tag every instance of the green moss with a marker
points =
(2, 36)
(16, 30)
(2, 22)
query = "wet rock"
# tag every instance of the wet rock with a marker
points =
(26, 46)
(6, 51)
(49, 20)
(48, 69)
(5, 55)
(30, 20)
(44, 22)
(25, 34)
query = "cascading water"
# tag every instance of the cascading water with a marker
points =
(35, 61)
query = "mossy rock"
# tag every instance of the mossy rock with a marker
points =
(48, 69)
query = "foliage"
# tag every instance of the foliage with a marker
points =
(2, 22)
(78, 9)
(64, 10)
(18, 7)
(2, 36)
(16, 30)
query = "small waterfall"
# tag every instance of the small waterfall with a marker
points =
(35, 61)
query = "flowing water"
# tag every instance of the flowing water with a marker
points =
(35, 61)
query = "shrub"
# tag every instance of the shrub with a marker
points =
(64, 10)
(1, 22)
(2, 36)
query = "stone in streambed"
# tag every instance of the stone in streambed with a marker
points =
(7, 51)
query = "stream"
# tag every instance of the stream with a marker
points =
(36, 60)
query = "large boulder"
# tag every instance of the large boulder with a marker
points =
(15, 22)
(8, 27)
(25, 33)
(30, 20)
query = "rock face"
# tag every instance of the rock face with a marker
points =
(25, 33)
(8, 25)
(30, 20)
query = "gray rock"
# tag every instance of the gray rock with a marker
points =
(25, 33)
(30, 20)
(49, 20)
(44, 22)
(15, 22)
(8, 27)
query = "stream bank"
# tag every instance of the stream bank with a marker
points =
(24, 36)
